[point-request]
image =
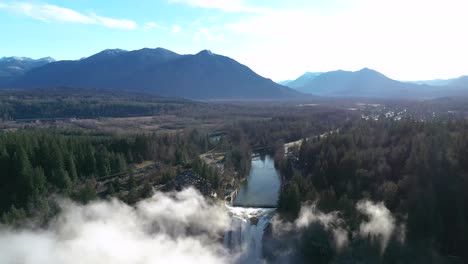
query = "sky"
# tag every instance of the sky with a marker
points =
(279, 39)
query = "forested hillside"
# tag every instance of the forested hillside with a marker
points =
(65, 102)
(417, 169)
(35, 164)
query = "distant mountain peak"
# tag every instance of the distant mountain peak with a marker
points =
(15, 58)
(47, 59)
(205, 52)
(367, 70)
(312, 73)
(157, 50)
(370, 73)
(106, 54)
(302, 80)
(11, 67)
(365, 82)
(26, 59)
(163, 49)
(20, 58)
(113, 51)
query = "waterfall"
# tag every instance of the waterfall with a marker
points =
(254, 207)
(244, 238)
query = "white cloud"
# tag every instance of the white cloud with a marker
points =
(224, 5)
(53, 13)
(46, 12)
(176, 29)
(381, 222)
(151, 25)
(168, 228)
(114, 23)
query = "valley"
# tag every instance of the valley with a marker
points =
(321, 162)
(233, 132)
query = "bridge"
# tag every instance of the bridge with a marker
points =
(255, 205)
(218, 133)
(260, 149)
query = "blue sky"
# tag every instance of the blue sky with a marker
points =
(404, 39)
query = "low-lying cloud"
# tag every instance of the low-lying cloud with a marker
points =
(381, 223)
(168, 228)
(178, 227)
(331, 222)
(308, 215)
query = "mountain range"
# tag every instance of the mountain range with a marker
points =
(12, 67)
(204, 75)
(460, 81)
(370, 83)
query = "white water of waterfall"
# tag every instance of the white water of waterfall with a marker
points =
(245, 236)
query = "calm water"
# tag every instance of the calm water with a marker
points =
(249, 217)
(262, 186)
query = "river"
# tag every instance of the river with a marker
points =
(253, 209)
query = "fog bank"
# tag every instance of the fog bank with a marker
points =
(167, 228)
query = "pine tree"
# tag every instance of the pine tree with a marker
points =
(71, 168)
(24, 178)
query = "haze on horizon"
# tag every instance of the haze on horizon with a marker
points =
(406, 40)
